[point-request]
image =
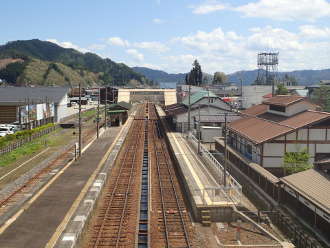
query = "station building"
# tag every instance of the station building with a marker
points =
(118, 113)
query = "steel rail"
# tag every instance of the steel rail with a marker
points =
(99, 232)
(161, 150)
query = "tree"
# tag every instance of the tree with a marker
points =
(294, 162)
(195, 76)
(219, 78)
(281, 90)
(321, 96)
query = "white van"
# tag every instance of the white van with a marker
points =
(4, 130)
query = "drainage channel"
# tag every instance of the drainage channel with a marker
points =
(143, 222)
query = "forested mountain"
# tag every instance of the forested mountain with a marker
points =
(46, 63)
(303, 77)
(160, 76)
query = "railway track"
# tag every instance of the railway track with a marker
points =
(25, 189)
(173, 221)
(141, 204)
(115, 223)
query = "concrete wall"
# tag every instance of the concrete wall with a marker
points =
(253, 94)
(208, 133)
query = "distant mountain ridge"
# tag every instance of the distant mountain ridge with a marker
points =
(160, 76)
(304, 77)
(64, 65)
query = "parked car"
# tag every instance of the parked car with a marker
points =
(14, 127)
(4, 130)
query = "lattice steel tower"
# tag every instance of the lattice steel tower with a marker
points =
(267, 69)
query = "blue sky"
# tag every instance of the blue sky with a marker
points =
(169, 35)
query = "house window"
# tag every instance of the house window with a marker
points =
(248, 151)
(277, 108)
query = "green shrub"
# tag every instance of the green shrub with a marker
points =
(6, 140)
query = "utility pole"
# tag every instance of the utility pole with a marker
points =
(105, 107)
(98, 116)
(79, 121)
(225, 160)
(189, 108)
(199, 129)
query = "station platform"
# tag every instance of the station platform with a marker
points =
(206, 195)
(39, 219)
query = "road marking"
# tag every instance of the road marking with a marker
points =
(59, 230)
(23, 164)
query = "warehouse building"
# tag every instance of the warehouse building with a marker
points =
(31, 107)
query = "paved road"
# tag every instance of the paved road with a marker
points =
(35, 226)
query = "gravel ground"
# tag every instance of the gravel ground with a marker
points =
(249, 235)
(11, 187)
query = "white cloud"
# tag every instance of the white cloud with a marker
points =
(117, 41)
(208, 7)
(269, 38)
(313, 32)
(216, 40)
(286, 9)
(152, 46)
(68, 44)
(157, 21)
(229, 51)
(135, 54)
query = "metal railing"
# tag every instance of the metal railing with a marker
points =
(233, 190)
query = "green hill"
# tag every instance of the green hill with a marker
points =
(45, 63)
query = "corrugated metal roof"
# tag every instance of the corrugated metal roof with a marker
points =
(126, 105)
(258, 130)
(21, 95)
(283, 100)
(305, 118)
(256, 109)
(197, 96)
(178, 109)
(123, 105)
(116, 111)
(313, 185)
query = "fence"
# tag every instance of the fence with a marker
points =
(233, 190)
(23, 141)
